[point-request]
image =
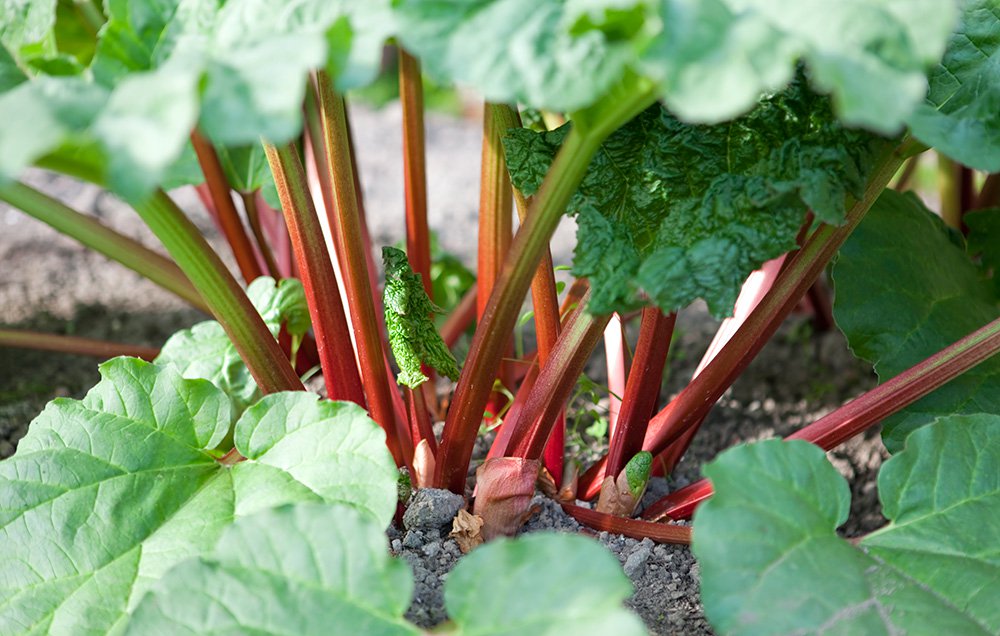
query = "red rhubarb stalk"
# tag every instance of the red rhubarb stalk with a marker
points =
(346, 229)
(530, 431)
(643, 387)
(634, 528)
(333, 340)
(102, 349)
(544, 300)
(411, 98)
(864, 412)
(229, 218)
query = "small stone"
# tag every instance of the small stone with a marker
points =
(637, 560)
(413, 539)
(397, 546)
(431, 549)
(432, 509)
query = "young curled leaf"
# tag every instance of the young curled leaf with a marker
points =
(408, 318)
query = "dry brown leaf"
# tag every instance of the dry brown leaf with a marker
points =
(466, 529)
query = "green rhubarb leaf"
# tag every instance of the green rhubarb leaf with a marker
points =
(984, 241)
(673, 212)
(313, 569)
(247, 171)
(306, 569)
(409, 320)
(104, 495)
(41, 115)
(10, 74)
(544, 53)
(961, 116)
(205, 351)
(714, 58)
(882, 272)
(710, 59)
(144, 127)
(26, 22)
(771, 562)
(524, 586)
(237, 69)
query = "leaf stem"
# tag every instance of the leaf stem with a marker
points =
(862, 413)
(333, 339)
(411, 98)
(229, 218)
(345, 226)
(227, 301)
(102, 349)
(100, 238)
(642, 388)
(522, 261)
(530, 430)
(253, 217)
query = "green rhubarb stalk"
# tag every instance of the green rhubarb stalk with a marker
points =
(544, 299)
(225, 298)
(949, 187)
(345, 226)
(100, 238)
(500, 316)
(333, 340)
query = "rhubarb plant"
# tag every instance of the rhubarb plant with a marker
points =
(725, 151)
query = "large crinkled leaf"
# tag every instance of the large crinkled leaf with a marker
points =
(409, 320)
(544, 53)
(905, 290)
(205, 351)
(107, 493)
(961, 116)
(523, 586)
(710, 59)
(714, 58)
(306, 569)
(675, 212)
(771, 562)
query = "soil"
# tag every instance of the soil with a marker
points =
(50, 283)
